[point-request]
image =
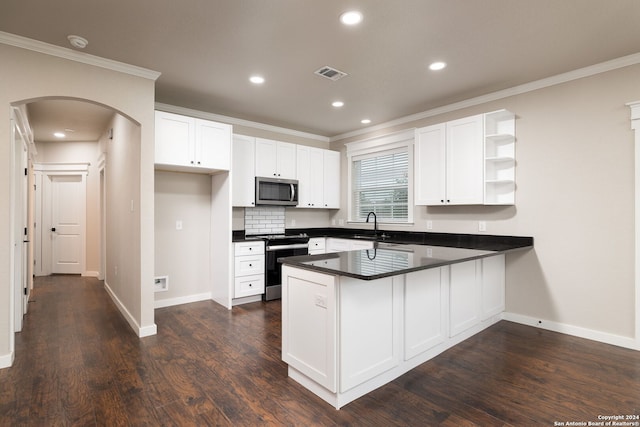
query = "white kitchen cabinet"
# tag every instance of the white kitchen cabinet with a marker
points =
(243, 171)
(449, 163)
(331, 189)
(499, 158)
(310, 175)
(370, 328)
(190, 144)
(464, 296)
(317, 245)
(425, 308)
(493, 286)
(248, 268)
(343, 245)
(309, 322)
(318, 174)
(275, 159)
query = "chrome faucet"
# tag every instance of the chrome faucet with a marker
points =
(375, 223)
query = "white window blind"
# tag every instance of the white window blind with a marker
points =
(380, 184)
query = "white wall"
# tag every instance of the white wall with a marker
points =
(80, 152)
(183, 255)
(28, 76)
(575, 196)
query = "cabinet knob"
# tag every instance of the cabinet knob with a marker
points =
(441, 200)
(250, 265)
(250, 285)
(191, 161)
(198, 162)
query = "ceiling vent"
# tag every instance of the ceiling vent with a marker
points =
(330, 73)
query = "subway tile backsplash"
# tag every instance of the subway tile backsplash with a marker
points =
(264, 220)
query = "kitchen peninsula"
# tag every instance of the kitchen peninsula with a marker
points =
(354, 321)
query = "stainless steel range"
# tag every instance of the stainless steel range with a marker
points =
(280, 246)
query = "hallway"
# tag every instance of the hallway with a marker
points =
(79, 363)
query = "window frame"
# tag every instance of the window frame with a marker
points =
(378, 145)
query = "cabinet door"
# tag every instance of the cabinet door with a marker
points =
(174, 139)
(370, 328)
(304, 176)
(465, 160)
(464, 297)
(213, 145)
(331, 178)
(338, 245)
(309, 324)
(492, 286)
(266, 155)
(286, 160)
(424, 311)
(430, 165)
(243, 171)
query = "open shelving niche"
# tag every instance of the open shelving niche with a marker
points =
(499, 158)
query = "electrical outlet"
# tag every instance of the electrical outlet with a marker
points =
(178, 225)
(482, 225)
(429, 225)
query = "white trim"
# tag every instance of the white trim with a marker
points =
(95, 274)
(576, 331)
(635, 125)
(380, 143)
(240, 122)
(6, 360)
(592, 70)
(140, 331)
(54, 168)
(72, 55)
(169, 302)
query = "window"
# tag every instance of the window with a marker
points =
(380, 174)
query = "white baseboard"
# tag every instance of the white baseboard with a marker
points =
(577, 331)
(140, 331)
(161, 303)
(6, 360)
(91, 274)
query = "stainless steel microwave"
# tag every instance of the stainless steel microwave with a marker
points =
(276, 191)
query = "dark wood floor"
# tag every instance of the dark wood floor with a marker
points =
(79, 363)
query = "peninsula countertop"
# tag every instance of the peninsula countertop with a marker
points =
(387, 259)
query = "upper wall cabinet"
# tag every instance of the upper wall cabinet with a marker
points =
(275, 158)
(469, 161)
(448, 163)
(243, 171)
(191, 145)
(319, 178)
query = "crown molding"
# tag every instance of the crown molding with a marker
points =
(72, 55)
(240, 122)
(592, 70)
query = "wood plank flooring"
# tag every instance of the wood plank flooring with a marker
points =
(79, 364)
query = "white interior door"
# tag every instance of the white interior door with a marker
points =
(19, 219)
(67, 223)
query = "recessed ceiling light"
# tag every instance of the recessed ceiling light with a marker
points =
(337, 104)
(365, 121)
(258, 80)
(436, 66)
(353, 17)
(59, 134)
(77, 41)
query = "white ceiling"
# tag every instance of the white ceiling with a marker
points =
(207, 49)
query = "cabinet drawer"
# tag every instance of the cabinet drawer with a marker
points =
(317, 245)
(249, 285)
(247, 265)
(248, 248)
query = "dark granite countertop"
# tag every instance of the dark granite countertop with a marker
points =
(454, 240)
(386, 259)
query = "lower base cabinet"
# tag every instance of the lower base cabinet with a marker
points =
(343, 337)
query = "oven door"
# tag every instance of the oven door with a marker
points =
(273, 269)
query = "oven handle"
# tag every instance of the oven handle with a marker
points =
(283, 247)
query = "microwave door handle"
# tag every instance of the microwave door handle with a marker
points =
(293, 192)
